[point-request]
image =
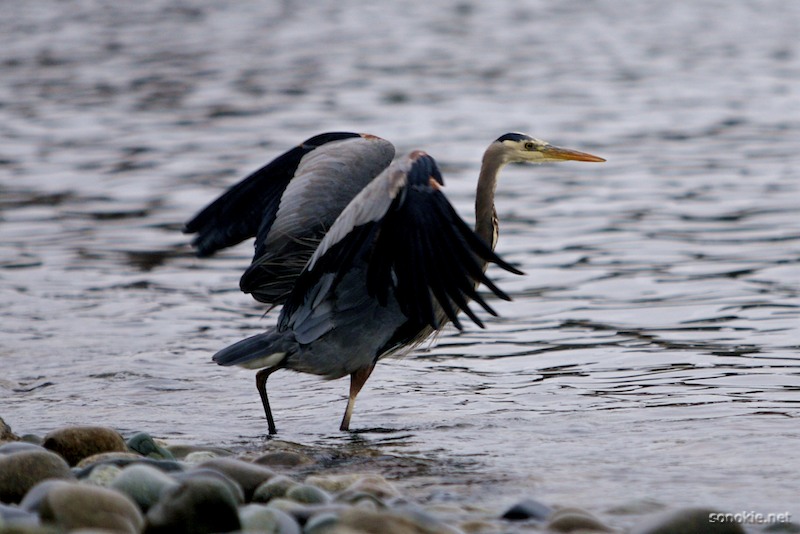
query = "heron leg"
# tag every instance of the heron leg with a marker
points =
(261, 385)
(357, 381)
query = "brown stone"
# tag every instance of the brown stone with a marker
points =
(75, 443)
(249, 475)
(20, 471)
(76, 506)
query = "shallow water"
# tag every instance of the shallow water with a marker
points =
(651, 354)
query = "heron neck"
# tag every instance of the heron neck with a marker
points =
(485, 214)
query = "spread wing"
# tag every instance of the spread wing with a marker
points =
(406, 244)
(255, 205)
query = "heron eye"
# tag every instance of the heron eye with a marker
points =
(529, 146)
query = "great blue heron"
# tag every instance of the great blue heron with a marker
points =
(368, 260)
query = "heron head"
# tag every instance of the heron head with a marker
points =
(522, 148)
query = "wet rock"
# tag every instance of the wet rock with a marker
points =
(75, 506)
(78, 442)
(275, 487)
(145, 445)
(374, 485)
(361, 521)
(249, 475)
(5, 432)
(17, 446)
(182, 451)
(103, 475)
(115, 458)
(575, 519)
(688, 521)
(283, 459)
(143, 483)
(333, 483)
(200, 457)
(202, 472)
(528, 509)
(13, 516)
(259, 518)
(308, 494)
(35, 497)
(20, 471)
(196, 506)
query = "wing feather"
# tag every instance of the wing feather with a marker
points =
(411, 245)
(249, 207)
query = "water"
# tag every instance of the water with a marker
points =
(650, 354)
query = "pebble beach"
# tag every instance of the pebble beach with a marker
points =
(92, 479)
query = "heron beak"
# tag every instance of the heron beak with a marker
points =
(551, 152)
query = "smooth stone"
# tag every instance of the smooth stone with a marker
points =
(117, 458)
(143, 483)
(144, 444)
(249, 475)
(303, 512)
(35, 497)
(20, 471)
(121, 460)
(687, 521)
(333, 483)
(202, 472)
(277, 486)
(199, 457)
(17, 446)
(74, 443)
(375, 485)
(32, 438)
(322, 523)
(360, 498)
(357, 520)
(308, 494)
(201, 505)
(181, 451)
(259, 518)
(528, 509)
(283, 459)
(575, 519)
(14, 516)
(74, 506)
(103, 475)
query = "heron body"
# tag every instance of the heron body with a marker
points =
(395, 264)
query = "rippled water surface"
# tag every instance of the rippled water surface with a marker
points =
(651, 354)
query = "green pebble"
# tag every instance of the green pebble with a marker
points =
(308, 494)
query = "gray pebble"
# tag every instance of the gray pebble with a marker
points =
(283, 459)
(103, 475)
(197, 506)
(687, 521)
(249, 475)
(143, 483)
(308, 494)
(20, 471)
(259, 518)
(17, 446)
(202, 472)
(13, 516)
(275, 487)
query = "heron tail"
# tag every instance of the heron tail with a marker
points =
(256, 352)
